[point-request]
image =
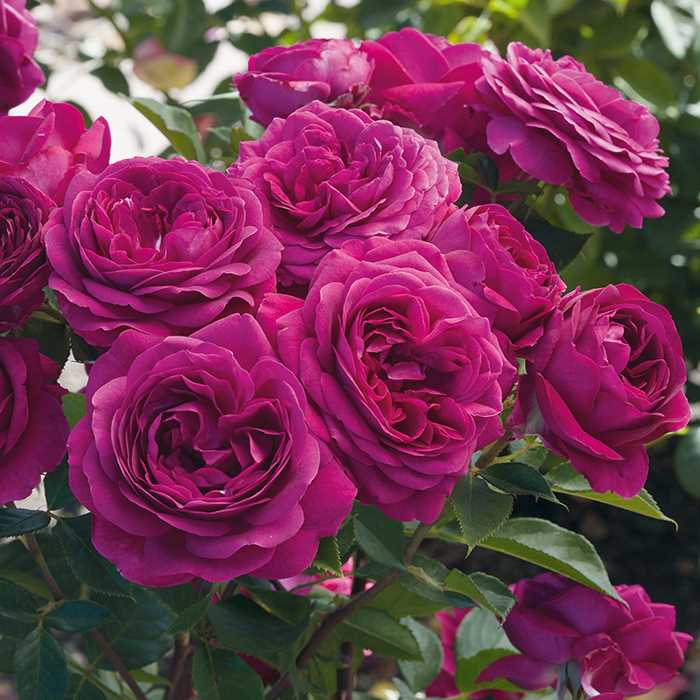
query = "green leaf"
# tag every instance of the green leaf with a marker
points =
(81, 688)
(73, 407)
(469, 670)
(487, 591)
(137, 628)
(52, 337)
(328, 556)
(379, 536)
(479, 509)
(113, 79)
(57, 489)
(220, 675)
(175, 123)
(565, 480)
(646, 80)
(519, 479)
(562, 245)
(189, 617)
(41, 671)
(16, 604)
(243, 626)
(552, 547)
(686, 459)
(87, 565)
(480, 630)
(420, 674)
(20, 521)
(77, 616)
(377, 630)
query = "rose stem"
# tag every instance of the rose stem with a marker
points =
(104, 646)
(326, 628)
(179, 678)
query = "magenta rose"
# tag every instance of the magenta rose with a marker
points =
(33, 429)
(19, 73)
(424, 81)
(606, 377)
(196, 460)
(24, 269)
(281, 79)
(517, 668)
(162, 246)
(622, 648)
(50, 145)
(332, 175)
(402, 373)
(504, 272)
(562, 126)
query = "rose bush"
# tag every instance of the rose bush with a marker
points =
(562, 126)
(33, 430)
(503, 271)
(333, 175)
(159, 246)
(19, 73)
(281, 79)
(196, 461)
(271, 463)
(24, 270)
(626, 390)
(402, 373)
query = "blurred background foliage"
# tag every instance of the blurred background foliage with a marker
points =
(650, 50)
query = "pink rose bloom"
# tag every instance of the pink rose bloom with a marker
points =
(402, 373)
(196, 460)
(504, 272)
(606, 377)
(281, 79)
(24, 269)
(562, 126)
(50, 145)
(622, 649)
(19, 73)
(517, 668)
(333, 175)
(162, 246)
(33, 429)
(424, 81)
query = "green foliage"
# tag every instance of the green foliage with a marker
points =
(41, 668)
(19, 521)
(419, 674)
(218, 675)
(479, 510)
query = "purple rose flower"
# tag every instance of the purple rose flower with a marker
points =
(564, 127)
(402, 373)
(50, 145)
(426, 82)
(519, 669)
(622, 649)
(19, 73)
(162, 246)
(281, 79)
(332, 175)
(606, 377)
(196, 460)
(33, 429)
(504, 272)
(24, 269)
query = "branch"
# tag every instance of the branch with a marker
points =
(179, 678)
(492, 451)
(104, 646)
(325, 629)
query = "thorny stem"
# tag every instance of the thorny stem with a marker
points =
(179, 678)
(491, 452)
(325, 629)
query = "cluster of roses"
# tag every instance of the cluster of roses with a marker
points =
(322, 322)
